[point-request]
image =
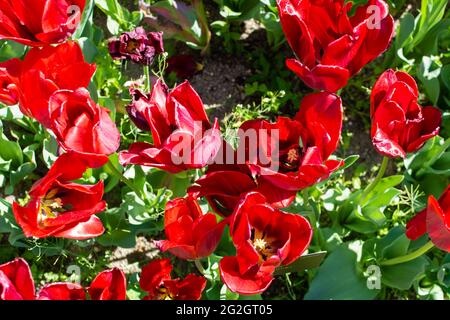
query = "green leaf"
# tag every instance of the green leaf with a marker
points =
(10, 150)
(339, 278)
(405, 30)
(402, 276)
(428, 74)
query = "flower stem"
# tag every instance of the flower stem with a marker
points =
(199, 266)
(126, 181)
(148, 80)
(411, 256)
(377, 179)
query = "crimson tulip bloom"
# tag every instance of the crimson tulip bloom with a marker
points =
(399, 124)
(61, 208)
(82, 126)
(331, 46)
(137, 46)
(157, 282)
(39, 22)
(183, 138)
(47, 70)
(304, 145)
(16, 282)
(265, 238)
(9, 73)
(435, 220)
(224, 185)
(190, 234)
(62, 291)
(109, 285)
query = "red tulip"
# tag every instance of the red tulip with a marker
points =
(9, 73)
(224, 185)
(109, 285)
(435, 220)
(331, 46)
(399, 124)
(265, 238)
(82, 126)
(61, 208)
(46, 70)
(183, 138)
(190, 234)
(304, 144)
(62, 291)
(39, 22)
(16, 282)
(157, 282)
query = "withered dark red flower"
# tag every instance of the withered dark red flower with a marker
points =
(47, 70)
(157, 282)
(435, 219)
(61, 208)
(9, 78)
(399, 124)
(190, 234)
(183, 138)
(39, 22)
(137, 46)
(82, 126)
(294, 154)
(329, 44)
(265, 238)
(184, 66)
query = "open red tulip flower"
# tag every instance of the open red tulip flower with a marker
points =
(82, 126)
(330, 45)
(435, 220)
(46, 70)
(298, 156)
(190, 234)
(399, 124)
(183, 138)
(224, 185)
(109, 285)
(265, 238)
(61, 208)
(16, 282)
(9, 73)
(39, 22)
(158, 283)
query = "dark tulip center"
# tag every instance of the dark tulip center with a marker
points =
(290, 160)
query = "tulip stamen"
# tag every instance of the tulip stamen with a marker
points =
(51, 206)
(132, 46)
(164, 294)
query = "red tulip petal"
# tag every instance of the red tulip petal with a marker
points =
(321, 77)
(62, 291)
(109, 285)
(16, 281)
(438, 225)
(253, 282)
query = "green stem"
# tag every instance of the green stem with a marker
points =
(377, 179)
(148, 80)
(411, 256)
(199, 266)
(126, 181)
